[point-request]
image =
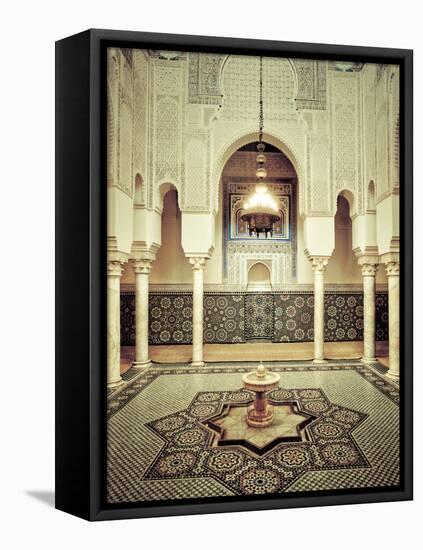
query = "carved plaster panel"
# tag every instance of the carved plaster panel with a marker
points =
(197, 189)
(240, 88)
(346, 135)
(140, 63)
(204, 78)
(319, 176)
(311, 82)
(167, 100)
(369, 124)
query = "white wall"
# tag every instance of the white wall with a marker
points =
(171, 265)
(342, 266)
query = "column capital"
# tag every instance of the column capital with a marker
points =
(142, 265)
(368, 269)
(387, 257)
(319, 263)
(115, 262)
(198, 262)
(140, 251)
(392, 269)
(368, 259)
(114, 268)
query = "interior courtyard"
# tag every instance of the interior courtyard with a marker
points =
(196, 300)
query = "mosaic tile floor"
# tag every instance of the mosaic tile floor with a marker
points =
(160, 446)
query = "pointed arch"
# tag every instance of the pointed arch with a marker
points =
(250, 135)
(349, 197)
(259, 275)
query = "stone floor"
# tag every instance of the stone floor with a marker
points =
(267, 351)
(160, 447)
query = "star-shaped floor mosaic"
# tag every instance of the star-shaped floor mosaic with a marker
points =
(319, 437)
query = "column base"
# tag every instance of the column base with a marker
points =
(139, 364)
(368, 360)
(392, 376)
(197, 364)
(113, 384)
(319, 361)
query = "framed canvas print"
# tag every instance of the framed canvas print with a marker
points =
(234, 274)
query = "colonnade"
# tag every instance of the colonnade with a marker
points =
(369, 267)
(142, 267)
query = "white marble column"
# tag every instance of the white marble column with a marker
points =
(142, 269)
(393, 271)
(319, 265)
(198, 265)
(114, 272)
(368, 272)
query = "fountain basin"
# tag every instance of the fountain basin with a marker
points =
(260, 413)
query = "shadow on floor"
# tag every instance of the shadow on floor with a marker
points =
(46, 497)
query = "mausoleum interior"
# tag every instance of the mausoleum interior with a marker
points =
(198, 297)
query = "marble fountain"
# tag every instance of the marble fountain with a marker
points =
(259, 424)
(260, 413)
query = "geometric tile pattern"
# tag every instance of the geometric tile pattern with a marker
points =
(237, 317)
(294, 316)
(259, 316)
(343, 317)
(382, 319)
(189, 452)
(378, 438)
(223, 318)
(137, 429)
(127, 318)
(170, 319)
(389, 389)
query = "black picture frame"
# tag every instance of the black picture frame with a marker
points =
(81, 260)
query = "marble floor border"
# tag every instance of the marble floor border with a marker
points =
(118, 399)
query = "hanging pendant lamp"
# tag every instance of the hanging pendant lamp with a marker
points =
(260, 210)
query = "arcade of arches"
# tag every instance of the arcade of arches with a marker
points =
(193, 299)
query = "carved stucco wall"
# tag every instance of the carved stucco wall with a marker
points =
(382, 137)
(166, 106)
(369, 124)
(387, 129)
(237, 120)
(393, 90)
(178, 120)
(240, 88)
(119, 121)
(140, 114)
(345, 132)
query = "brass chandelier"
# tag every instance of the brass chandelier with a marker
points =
(260, 210)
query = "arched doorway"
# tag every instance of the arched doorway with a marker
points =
(171, 264)
(342, 267)
(239, 249)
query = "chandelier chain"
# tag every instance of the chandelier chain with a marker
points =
(261, 102)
